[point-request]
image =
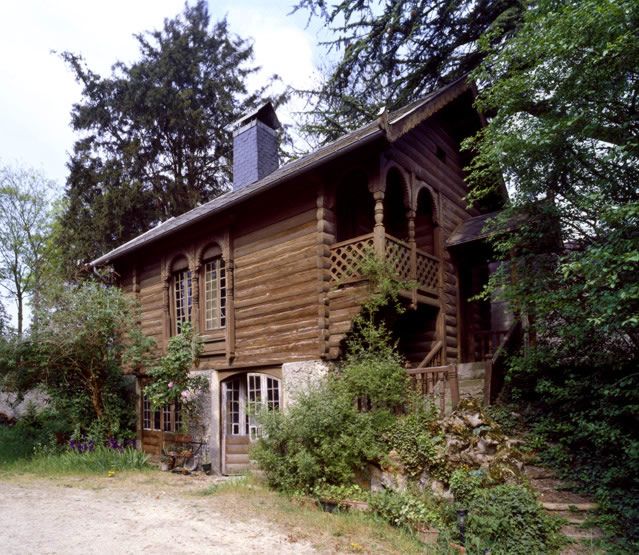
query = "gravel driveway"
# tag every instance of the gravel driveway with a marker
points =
(44, 516)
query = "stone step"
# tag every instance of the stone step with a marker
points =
(471, 370)
(572, 507)
(241, 458)
(237, 449)
(572, 517)
(234, 469)
(237, 440)
(581, 534)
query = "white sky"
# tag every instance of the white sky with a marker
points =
(37, 90)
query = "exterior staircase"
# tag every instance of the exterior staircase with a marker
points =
(471, 379)
(554, 496)
(236, 459)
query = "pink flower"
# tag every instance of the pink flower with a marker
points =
(171, 384)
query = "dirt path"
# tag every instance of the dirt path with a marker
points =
(42, 516)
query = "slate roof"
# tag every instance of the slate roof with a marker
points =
(380, 128)
(470, 230)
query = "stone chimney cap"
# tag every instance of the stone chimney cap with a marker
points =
(264, 113)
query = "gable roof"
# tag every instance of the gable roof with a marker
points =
(390, 126)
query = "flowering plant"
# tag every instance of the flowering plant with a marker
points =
(172, 379)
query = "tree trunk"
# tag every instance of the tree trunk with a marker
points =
(96, 398)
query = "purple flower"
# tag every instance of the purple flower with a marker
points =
(171, 384)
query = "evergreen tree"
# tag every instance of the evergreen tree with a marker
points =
(155, 140)
(393, 52)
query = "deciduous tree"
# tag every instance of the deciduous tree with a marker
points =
(25, 197)
(565, 136)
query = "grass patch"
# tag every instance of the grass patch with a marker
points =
(342, 531)
(101, 460)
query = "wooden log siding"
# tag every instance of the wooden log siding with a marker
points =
(276, 291)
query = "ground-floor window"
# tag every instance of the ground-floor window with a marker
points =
(168, 418)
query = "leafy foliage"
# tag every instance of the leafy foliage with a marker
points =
(508, 519)
(321, 439)
(25, 222)
(391, 53)
(78, 358)
(565, 136)
(34, 429)
(404, 510)
(154, 138)
(172, 381)
(412, 437)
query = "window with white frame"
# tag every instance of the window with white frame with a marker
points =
(168, 418)
(182, 298)
(214, 316)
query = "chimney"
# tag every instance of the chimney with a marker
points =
(255, 146)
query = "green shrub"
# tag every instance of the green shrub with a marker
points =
(411, 437)
(321, 439)
(33, 429)
(381, 380)
(404, 510)
(508, 520)
(465, 484)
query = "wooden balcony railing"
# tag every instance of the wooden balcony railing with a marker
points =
(347, 257)
(436, 382)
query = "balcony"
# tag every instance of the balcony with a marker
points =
(422, 270)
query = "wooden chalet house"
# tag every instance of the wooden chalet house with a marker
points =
(268, 272)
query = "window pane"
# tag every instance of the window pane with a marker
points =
(183, 292)
(146, 413)
(166, 413)
(214, 294)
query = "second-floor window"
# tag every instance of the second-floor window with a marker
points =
(214, 294)
(182, 298)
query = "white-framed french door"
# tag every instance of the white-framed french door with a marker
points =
(243, 397)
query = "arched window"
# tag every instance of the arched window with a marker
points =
(182, 293)
(214, 286)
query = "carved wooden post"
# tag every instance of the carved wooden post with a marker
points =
(440, 252)
(230, 312)
(166, 299)
(229, 265)
(194, 268)
(379, 234)
(410, 216)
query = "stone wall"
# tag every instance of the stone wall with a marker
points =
(298, 377)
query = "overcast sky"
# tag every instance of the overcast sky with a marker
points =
(37, 90)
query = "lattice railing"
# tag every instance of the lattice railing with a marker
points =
(427, 271)
(398, 254)
(347, 257)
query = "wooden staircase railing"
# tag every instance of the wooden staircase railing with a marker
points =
(434, 357)
(434, 382)
(494, 365)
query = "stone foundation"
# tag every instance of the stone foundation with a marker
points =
(299, 377)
